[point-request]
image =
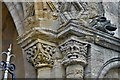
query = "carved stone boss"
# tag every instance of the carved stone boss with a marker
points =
(74, 58)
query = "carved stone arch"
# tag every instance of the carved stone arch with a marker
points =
(110, 64)
(17, 13)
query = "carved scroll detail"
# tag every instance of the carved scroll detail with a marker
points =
(104, 25)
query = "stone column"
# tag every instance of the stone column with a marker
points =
(74, 60)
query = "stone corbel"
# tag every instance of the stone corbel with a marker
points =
(74, 57)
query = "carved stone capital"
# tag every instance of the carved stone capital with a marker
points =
(74, 52)
(39, 51)
(40, 54)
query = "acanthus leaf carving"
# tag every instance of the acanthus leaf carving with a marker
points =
(74, 52)
(40, 55)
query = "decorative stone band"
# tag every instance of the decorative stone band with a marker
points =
(40, 54)
(74, 52)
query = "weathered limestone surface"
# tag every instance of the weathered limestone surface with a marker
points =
(74, 71)
(112, 13)
(97, 57)
(69, 39)
(113, 73)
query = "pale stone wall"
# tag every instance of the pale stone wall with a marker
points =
(113, 73)
(112, 13)
(97, 57)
